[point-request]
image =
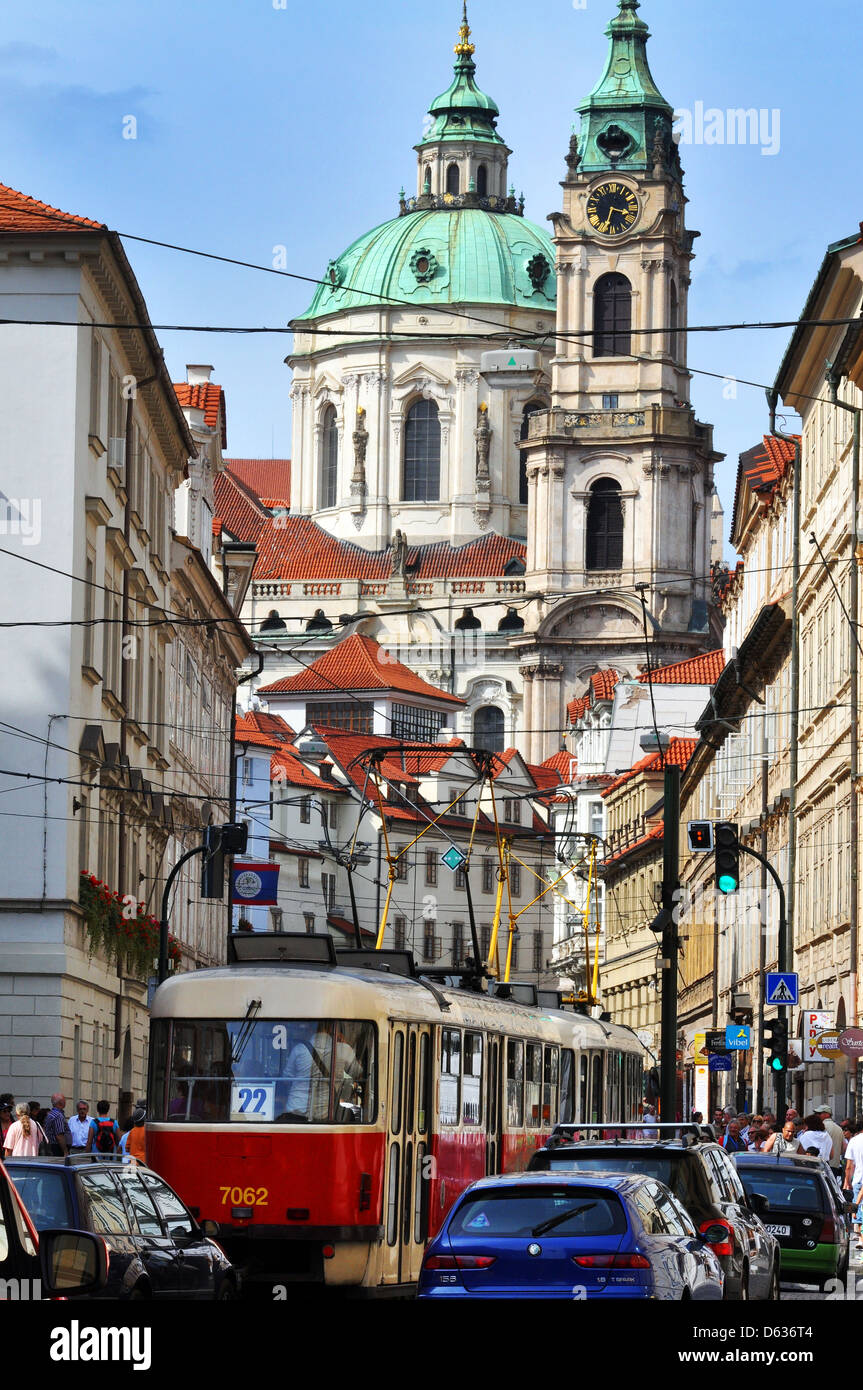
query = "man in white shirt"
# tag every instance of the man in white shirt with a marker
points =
(80, 1127)
(854, 1169)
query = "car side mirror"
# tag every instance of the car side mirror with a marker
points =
(72, 1263)
(759, 1203)
(210, 1229)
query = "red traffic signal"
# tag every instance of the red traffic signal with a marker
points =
(700, 834)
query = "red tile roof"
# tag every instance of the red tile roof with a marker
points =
(343, 925)
(206, 396)
(546, 777)
(240, 512)
(296, 547)
(279, 847)
(697, 670)
(268, 478)
(601, 688)
(272, 724)
(562, 763)
(433, 761)
(285, 766)
(763, 468)
(357, 663)
(247, 732)
(677, 754)
(20, 213)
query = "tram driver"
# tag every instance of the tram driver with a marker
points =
(310, 1071)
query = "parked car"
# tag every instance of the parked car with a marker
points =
(51, 1263)
(552, 1235)
(807, 1214)
(702, 1177)
(157, 1249)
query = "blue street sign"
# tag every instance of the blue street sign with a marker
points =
(719, 1062)
(781, 989)
(454, 858)
(737, 1038)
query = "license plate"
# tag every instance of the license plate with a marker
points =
(779, 1230)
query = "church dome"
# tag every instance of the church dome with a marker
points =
(443, 255)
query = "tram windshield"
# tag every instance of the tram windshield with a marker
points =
(297, 1071)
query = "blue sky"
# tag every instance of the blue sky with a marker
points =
(260, 127)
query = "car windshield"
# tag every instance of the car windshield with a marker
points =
(520, 1211)
(670, 1168)
(45, 1194)
(786, 1189)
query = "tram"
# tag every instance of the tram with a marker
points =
(326, 1109)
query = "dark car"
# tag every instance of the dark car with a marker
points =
(549, 1235)
(157, 1249)
(699, 1173)
(807, 1214)
(50, 1263)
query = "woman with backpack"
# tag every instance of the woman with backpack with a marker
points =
(104, 1136)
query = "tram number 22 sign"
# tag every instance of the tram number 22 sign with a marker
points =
(253, 1102)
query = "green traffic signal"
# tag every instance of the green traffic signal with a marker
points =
(726, 884)
(726, 849)
(776, 1039)
(777, 1064)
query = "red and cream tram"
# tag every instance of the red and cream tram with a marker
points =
(326, 1110)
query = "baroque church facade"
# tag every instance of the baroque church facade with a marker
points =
(497, 473)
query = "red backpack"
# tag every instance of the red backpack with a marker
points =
(104, 1141)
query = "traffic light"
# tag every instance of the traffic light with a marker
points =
(700, 833)
(727, 857)
(776, 1039)
(213, 869)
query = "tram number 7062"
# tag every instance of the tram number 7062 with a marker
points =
(245, 1197)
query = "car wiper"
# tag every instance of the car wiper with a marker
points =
(544, 1226)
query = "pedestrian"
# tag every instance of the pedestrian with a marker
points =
(38, 1112)
(744, 1122)
(57, 1130)
(136, 1137)
(732, 1140)
(837, 1137)
(23, 1138)
(757, 1138)
(104, 1134)
(6, 1120)
(79, 1127)
(783, 1141)
(697, 1117)
(854, 1172)
(814, 1136)
(648, 1112)
(718, 1122)
(769, 1120)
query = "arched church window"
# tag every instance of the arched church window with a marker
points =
(482, 181)
(452, 179)
(522, 461)
(422, 453)
(488, 729)
(605, 526)
(612, 316)
(329, 458)
(673, 319)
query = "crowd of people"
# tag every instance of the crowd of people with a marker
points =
(28, 1129)
(840, 1146)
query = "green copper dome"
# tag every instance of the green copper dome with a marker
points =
(443, 256)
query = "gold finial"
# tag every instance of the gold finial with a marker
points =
(464, 45)
(483, 405)
(361, 410)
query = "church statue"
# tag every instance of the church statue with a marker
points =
(660, 151)
(482, 435)
(573, 159)
(361, 443)
(400, 555)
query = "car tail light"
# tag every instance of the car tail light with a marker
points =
(612, 1261)
(328, 1251)
(458, 1261)
(724, 1246)
(828, 1230)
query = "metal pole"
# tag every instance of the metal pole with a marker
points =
(670, 944)
(166, 901)
(783, 947)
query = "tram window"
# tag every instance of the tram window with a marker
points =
(393, 1196)
(596, 1089)
(615, 1060)
(533, 1085)
(450, 1076)
(514, 1084)
(398, 1071)
(471, 1086)
(299, 1071)
(421, 1188)
(407, 1209)
(550, 1079)
(423, 1084)
(582, 1089)
(567, 1087)
(493, 1058)
(157, 1080)
(412, 1082)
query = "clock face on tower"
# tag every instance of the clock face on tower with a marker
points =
(612, 208)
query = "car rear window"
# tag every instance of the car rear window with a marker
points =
(519, 1211)
(46, 1196)
(681, 1174)
(787, 1189)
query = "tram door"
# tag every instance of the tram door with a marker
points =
(408, 1152)
(492, 1108)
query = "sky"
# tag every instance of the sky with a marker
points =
(268, 124)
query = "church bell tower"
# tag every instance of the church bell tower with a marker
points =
(620, 472)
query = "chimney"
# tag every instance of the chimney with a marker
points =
(197, 375)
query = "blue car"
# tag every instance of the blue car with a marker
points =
(548, 1235)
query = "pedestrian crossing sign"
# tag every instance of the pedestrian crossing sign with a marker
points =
(781, 989)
